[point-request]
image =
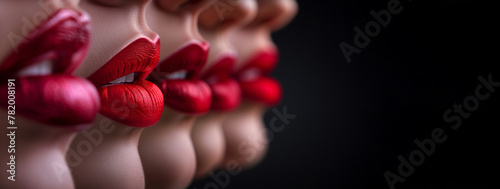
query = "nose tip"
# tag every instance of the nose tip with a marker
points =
(244, 11)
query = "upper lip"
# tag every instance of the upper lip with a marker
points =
(221, 68)
(189, 59)
(263, 62)
(130, 60)
(65, 48)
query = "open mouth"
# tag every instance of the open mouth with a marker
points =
(254, 80)
(226, 93)
(42, 65)
(126, 96)
(178, 78)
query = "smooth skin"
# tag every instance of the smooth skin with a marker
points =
(246, 142)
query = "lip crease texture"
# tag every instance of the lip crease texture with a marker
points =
(254, 81)
(226, 92)
(189, 95)
(138, 103)
(53, 98)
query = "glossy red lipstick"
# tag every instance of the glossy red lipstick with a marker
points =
(126, 96)
(41, 65)
(226, 92)
(254, 81)
(177, 77)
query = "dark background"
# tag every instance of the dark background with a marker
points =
(355, 119)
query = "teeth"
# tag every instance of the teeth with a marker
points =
(119, 80)
(125, 79)
(43, 68)
(177, 75)
(130, 78)
(250, 74)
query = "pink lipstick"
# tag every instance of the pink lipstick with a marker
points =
(177, 77)
(226, 93)
(254, 81)
(126, 96)
(41, 66)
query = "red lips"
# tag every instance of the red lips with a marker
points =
(137, 103)
(226, 93)
(254, 82)
(52, 96)
(177, 77)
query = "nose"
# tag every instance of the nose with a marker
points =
(176, 22)
(177, 6)
(118, 13)
(274, 14)
(188, 11)
(142, 23)
(225, 14)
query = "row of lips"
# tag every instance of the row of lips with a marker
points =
(132, 86)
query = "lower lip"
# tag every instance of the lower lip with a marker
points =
(226, 92)
(187, 96)
(264, 90)
(59, 100)
(191, 95)
(137, 105)
(226, 95)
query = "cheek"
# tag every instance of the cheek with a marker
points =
(246, 138)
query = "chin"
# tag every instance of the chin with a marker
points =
(245, 135)
(209, 143)
(167, 153)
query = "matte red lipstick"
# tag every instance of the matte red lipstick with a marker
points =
(254, 81)
(226, 93)
(126, 96)
(41, 66)
(177, 77)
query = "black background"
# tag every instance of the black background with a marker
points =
(355, 119)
